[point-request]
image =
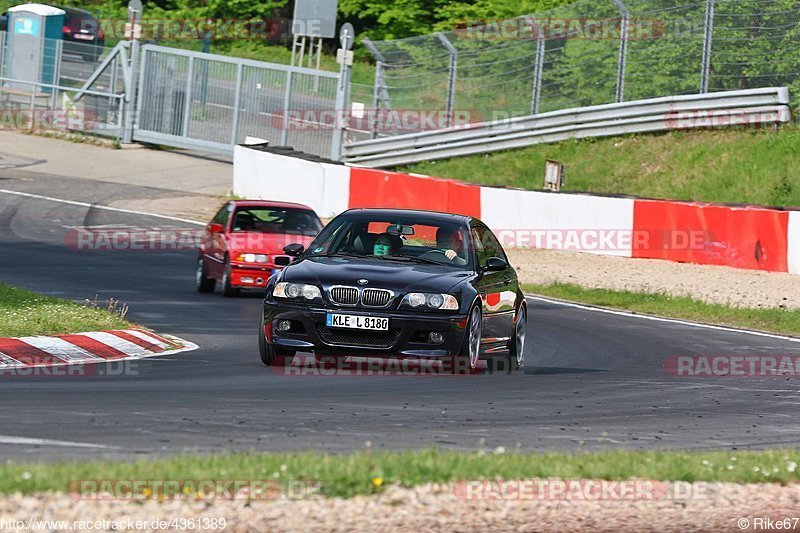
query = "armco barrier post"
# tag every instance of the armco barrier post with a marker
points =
(708, 32)
(623, 50)
(451, 77)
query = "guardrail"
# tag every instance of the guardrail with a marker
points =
(751, 106)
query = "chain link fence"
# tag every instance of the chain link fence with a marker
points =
(587, 53)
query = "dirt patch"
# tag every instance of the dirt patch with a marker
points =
(693, 507)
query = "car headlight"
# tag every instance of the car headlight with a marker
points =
(431, 300)
(296, 290)
(253, 258)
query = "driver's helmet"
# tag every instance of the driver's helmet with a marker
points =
(385, 244)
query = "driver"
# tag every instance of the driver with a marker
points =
(386, 244)
(449, 242)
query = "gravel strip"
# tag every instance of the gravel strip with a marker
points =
(438, 508)
(711, 284)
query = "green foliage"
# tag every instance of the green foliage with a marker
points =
(26, 313)
(774, 320)
(348, 475)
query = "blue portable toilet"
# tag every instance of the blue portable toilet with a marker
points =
(34, 35)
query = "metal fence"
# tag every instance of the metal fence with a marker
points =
(52, 104)
(588, 53)
(185, 99)
(196, 100)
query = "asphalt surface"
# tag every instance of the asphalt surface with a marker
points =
(594, 380)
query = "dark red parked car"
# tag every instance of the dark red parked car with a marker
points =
(243, 243)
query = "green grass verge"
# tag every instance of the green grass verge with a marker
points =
(773, 320)
(366, 473)
(27, 313)
(738, 166)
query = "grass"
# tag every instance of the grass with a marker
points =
(24, 313)
(773, 320)
(366, 473)
(729, 166)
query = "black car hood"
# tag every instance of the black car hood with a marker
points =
(381, 274)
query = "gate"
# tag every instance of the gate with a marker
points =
(202, 101)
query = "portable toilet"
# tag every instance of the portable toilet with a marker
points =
(34, 39)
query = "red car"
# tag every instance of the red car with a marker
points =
(243, 243)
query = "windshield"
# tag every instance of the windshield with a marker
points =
(275, 220)
(405, 238)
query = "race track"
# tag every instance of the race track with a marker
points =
(595, 380)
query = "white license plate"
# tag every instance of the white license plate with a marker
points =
(84, 36)
(339, 320)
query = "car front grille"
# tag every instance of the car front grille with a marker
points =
(376, 297)
(344, 295)
(367, 339)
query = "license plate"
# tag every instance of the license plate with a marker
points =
(84, 36)
(339, 320)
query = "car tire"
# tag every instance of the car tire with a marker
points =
(516, 352)
(228, 289)
(466, 362)
(272, 355)
(202, 281)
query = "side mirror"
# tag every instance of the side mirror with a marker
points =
(294, 249)
(495, 264)
(215, 228)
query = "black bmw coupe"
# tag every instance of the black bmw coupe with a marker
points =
(396, 282)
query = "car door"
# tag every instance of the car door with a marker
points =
(498, 289)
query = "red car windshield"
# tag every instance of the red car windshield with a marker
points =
(275, 220)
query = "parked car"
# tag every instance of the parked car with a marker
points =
(243, 244)
(395, 282)
(82, 34)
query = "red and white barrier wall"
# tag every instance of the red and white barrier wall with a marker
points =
(738, 236)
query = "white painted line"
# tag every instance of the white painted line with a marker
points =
(8, 439)
(101, 207)
(8, 361)
(66, 351)
(662, 319)
(118, 343)
(145, 337)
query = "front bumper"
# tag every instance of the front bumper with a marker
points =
(407, 335)
(244, 275)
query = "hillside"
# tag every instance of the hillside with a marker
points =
(733, 166)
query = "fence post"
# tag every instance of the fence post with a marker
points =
(237, 103)
(342, 89)
(287, 99)
(130, 94)
(376, 98)
(708, 32)
(187, 96)
(623, 51)
(451, 74)
(380, 93)
(536, 93)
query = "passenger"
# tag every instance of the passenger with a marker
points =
(386, 244)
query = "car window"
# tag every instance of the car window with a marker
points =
(222, 215)
(486, 244)
(275, 220)
(407, 237)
